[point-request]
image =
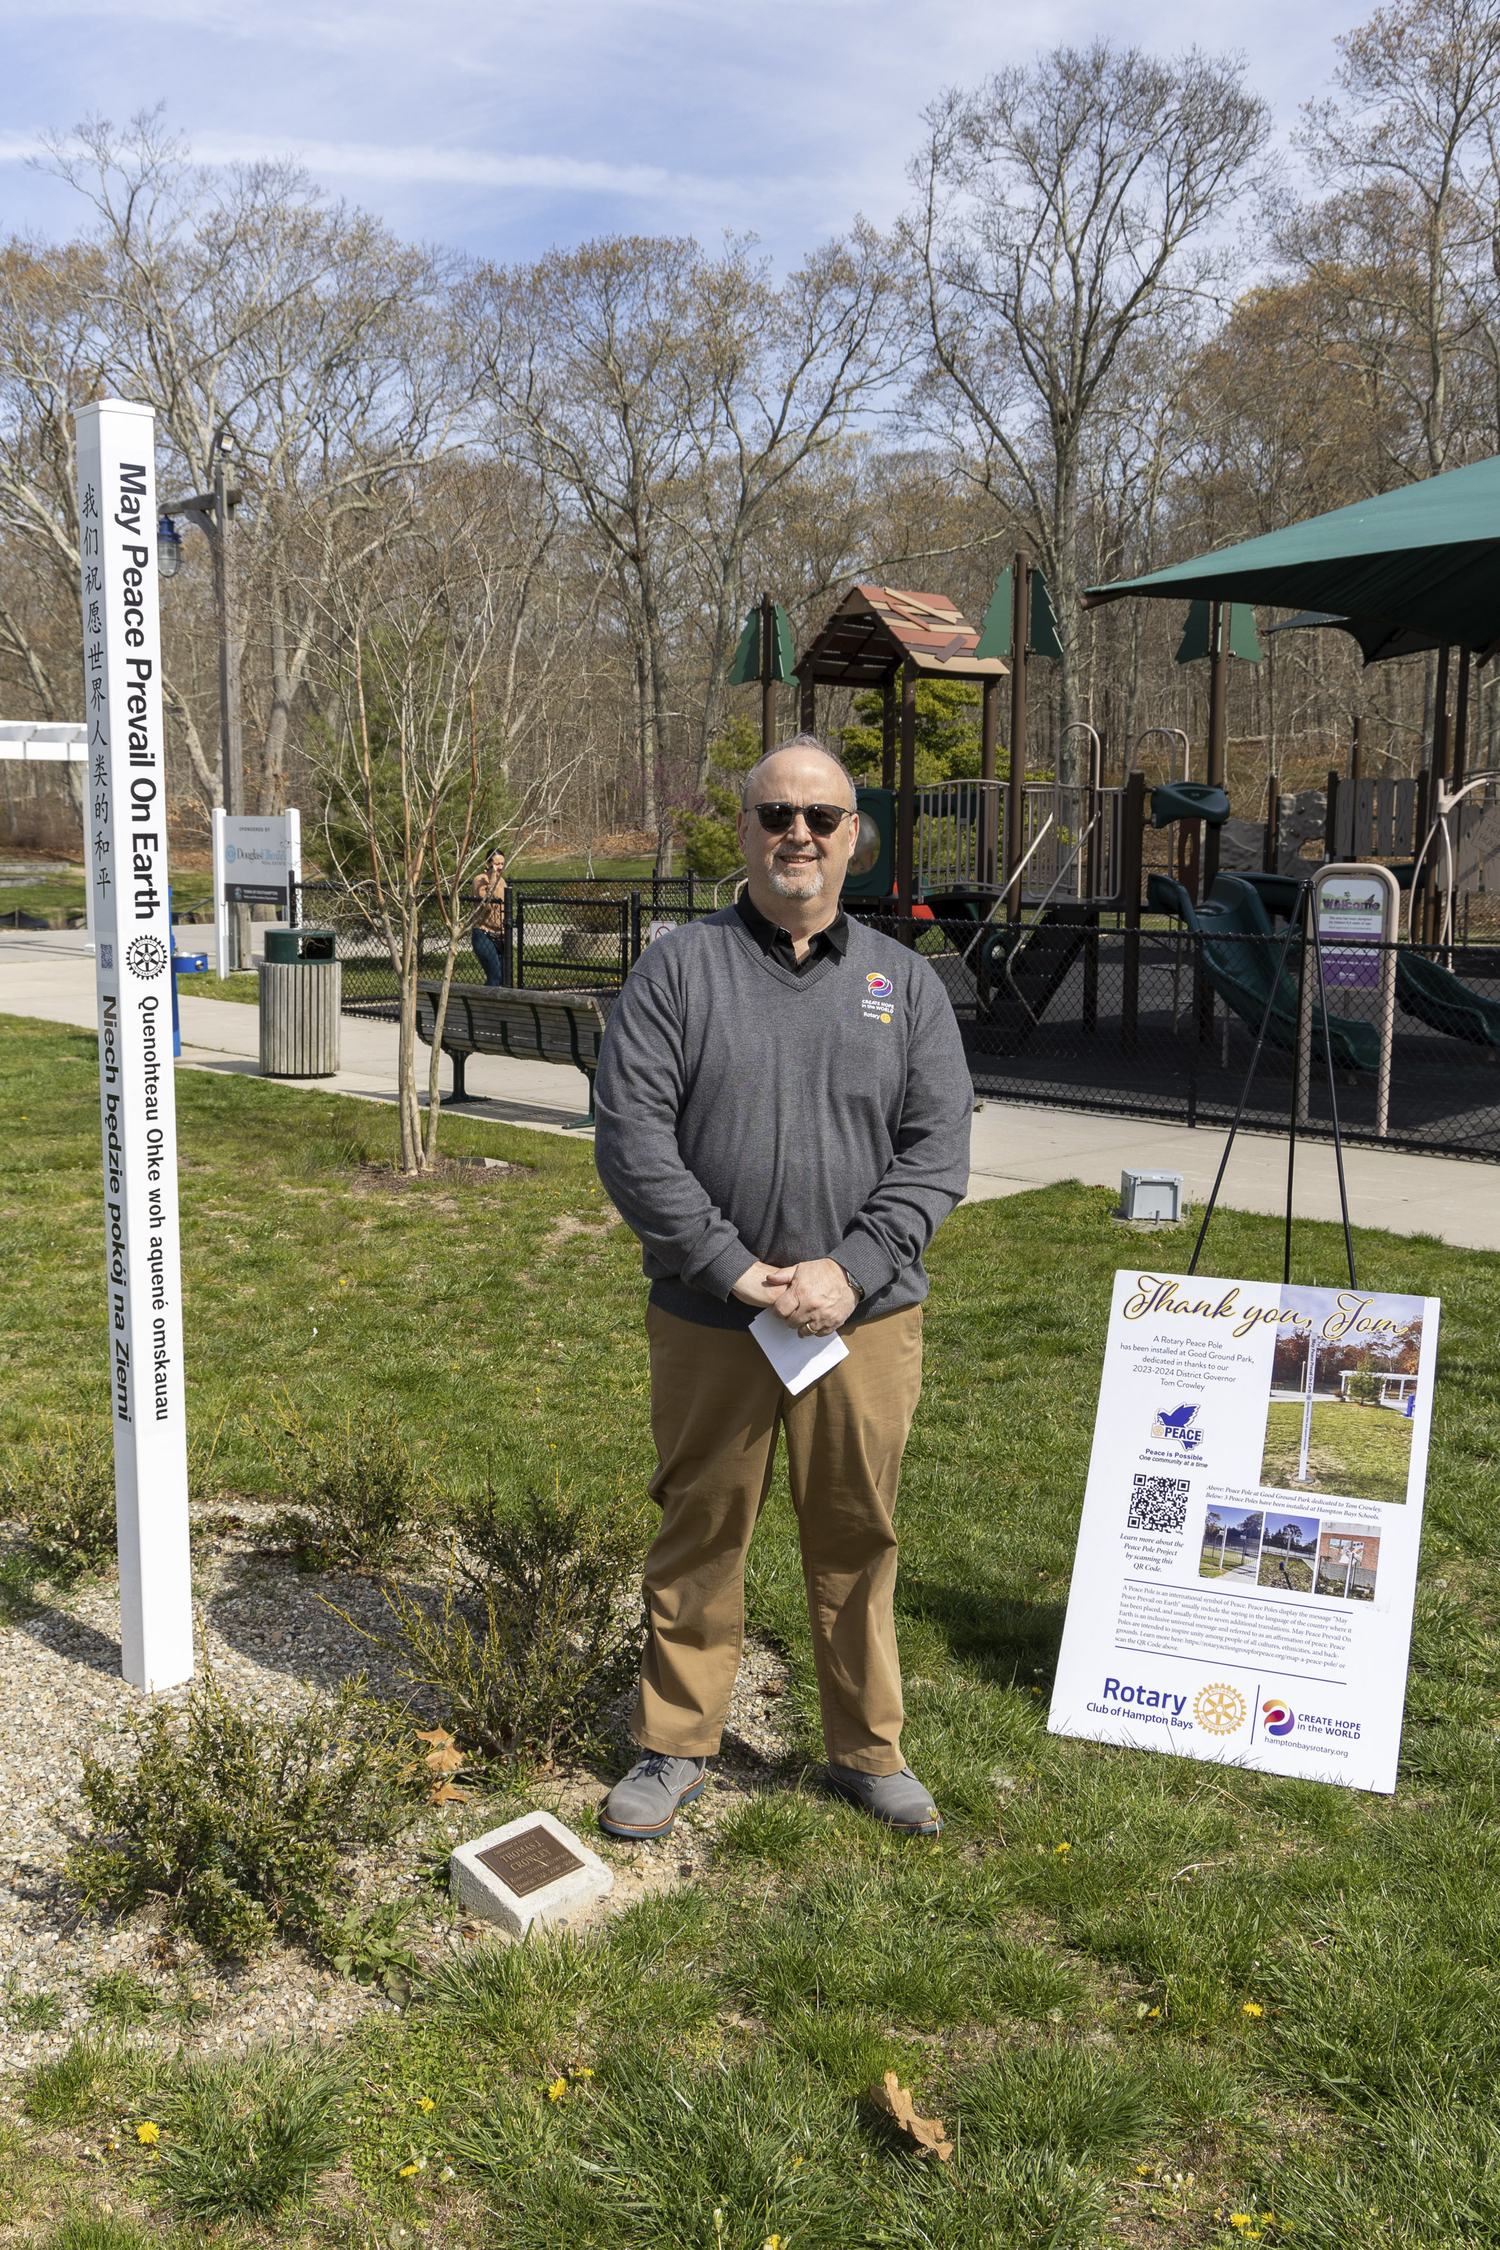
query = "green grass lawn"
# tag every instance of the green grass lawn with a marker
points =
(59, 898)
(1142, 1994)
(1289, 1572)
(1360, 1452)
(206, 986)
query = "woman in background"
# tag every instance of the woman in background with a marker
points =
(488, 931)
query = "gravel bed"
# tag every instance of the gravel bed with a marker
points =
(273, 1639)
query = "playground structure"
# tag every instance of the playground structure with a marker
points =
(1108, 944)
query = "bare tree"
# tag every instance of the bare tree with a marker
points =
(1061, 207)
(426, 679)
(1403, 248)
(241, 304)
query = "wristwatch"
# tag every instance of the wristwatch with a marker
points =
(857, 1286)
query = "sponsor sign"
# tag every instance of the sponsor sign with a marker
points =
(1247, 1556)
(127, 830)
(256, 859)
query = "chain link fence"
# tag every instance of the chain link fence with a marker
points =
(1158, 1022)
(576, 936)
(1074, 1010)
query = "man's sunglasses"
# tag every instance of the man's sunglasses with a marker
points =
(822, 820)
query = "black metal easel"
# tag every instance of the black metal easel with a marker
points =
(1304, 914)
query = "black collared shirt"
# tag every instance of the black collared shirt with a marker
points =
(777, 945)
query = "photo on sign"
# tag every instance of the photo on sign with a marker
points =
(1342, 1395)
(1288, 1552)
(1348, 1562)
(1231, 1544)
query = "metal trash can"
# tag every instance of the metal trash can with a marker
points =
(299, 1005)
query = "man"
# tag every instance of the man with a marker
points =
(783, 1116)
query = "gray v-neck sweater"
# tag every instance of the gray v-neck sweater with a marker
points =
(745, 1112)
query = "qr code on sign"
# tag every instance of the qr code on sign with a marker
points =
(1159, 1503)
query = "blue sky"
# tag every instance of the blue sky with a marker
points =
(502, 128)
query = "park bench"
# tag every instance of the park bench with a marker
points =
(488, 1019)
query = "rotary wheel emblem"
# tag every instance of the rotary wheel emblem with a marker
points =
(146, 957)
(1219, 1709)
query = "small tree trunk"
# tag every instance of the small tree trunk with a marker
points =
(412, 1155)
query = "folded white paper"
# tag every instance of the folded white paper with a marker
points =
(798, 1360)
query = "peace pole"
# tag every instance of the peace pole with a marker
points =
(127, 798)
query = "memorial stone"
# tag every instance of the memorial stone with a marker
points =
(531, 1870)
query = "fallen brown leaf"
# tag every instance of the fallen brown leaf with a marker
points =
(895, 2101)
(446, 1794)
(444, 1756)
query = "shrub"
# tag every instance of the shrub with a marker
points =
(61, 1488)
(549, 1634)
(356, 1495)
(238, 1820)
(239, 2138)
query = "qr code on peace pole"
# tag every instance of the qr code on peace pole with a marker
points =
(1159, 1503)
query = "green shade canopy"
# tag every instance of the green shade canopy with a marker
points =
(1425, 559)
(1193, 646)
(746, 665)
(995, 632)
(1377, 637)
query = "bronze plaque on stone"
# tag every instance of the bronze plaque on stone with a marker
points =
(526, 1862)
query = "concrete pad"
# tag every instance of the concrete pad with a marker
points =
(542, 1873)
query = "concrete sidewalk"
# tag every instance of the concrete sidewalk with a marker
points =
(50, 974)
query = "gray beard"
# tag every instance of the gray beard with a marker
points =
(806, 884)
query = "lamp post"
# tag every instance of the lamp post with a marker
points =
(213, 513)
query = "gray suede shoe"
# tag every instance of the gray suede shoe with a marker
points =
(647, 1801)
(896, 1798)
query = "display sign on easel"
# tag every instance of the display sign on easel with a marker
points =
(257, 860)
(1247, 1557)
(131, 922)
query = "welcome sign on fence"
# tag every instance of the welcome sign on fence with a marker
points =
(1247, 1558)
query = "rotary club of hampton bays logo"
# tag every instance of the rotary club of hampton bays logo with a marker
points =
(1219, 1708)
(878, 992)
(146, 957)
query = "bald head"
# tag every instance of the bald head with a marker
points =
(803, 771)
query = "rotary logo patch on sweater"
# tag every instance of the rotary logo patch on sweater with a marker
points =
(879, 992)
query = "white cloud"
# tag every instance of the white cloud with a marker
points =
(458, 166)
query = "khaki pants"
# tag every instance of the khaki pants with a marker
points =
(716, 1408)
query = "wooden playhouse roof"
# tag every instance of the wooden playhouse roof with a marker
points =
(877, 629)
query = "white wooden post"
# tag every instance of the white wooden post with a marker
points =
(221, 909)
(127, 801)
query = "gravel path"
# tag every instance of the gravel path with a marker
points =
(270, 1634)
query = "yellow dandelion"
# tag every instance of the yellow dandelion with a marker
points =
(557, 2089)
(1239, 2220)
(426, 2105)
(1061, 1848)
(148, 2135)
(1143, 2171)
(1150, 2012)
(1252, 2008)
(409, 2171)
(772, 2242)
(582, 2072)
